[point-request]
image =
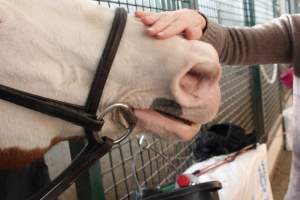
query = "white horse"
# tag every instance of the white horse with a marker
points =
(52, 47)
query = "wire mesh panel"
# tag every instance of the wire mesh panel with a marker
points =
(236, 84)
(146, 5)
(226, 12)
(152, 169)
(271, 100)
(237, 97)
(264, 10)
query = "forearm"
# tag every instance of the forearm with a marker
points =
(261, 44)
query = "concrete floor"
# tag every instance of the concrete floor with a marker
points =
(281, 175)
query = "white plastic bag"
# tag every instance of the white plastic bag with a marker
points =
(246, 178)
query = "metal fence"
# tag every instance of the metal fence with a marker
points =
(247, 100)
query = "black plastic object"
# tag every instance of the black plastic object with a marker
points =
(202, 191)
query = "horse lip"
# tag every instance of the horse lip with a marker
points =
(176, 118)
(169, 109)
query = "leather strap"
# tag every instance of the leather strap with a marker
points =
(68, 112)
(104, 66)
(106, 60)
(83, 161)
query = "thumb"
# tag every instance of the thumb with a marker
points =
(194, 33)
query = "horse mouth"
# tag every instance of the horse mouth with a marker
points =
(166, 125)
(175, 118)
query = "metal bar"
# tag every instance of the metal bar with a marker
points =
(169, 5)
(163, 5)
(258, 104)
(257, 82)
(189, 4)
(289, 6)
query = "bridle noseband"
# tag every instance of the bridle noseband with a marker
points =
(85, 116)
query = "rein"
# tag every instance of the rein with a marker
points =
(85, 116)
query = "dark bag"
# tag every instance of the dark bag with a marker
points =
(221, 139)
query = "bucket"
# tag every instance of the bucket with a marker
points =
(286, 78)
(202, 191)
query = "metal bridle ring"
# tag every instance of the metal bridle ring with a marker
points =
(129, 117)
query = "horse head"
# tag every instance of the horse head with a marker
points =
(52, 47)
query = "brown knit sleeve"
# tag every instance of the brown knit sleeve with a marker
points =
(261, 44)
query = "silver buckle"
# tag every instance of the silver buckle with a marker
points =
(128, 116)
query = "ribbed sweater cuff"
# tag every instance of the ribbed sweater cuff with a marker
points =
(212, 32)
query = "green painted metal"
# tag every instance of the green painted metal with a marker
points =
(158, 3)
(89, 185)
(257, 82)
(163, 5)
(258, 104)
(249, 12)
(276, 7)
(193, 4)
(186, 4)
(290, 4)
(169, 4)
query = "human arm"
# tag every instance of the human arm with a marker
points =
(267, 43)
(272, 42)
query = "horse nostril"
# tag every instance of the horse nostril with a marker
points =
(167, 106)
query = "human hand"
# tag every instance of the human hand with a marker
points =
(164, 25)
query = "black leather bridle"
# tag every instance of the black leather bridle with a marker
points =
(85, 116)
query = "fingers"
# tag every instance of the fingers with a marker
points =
(150, 19)
(157, 21)
(167, 24)
(193, 33)
(165, 19)
(175, 28)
